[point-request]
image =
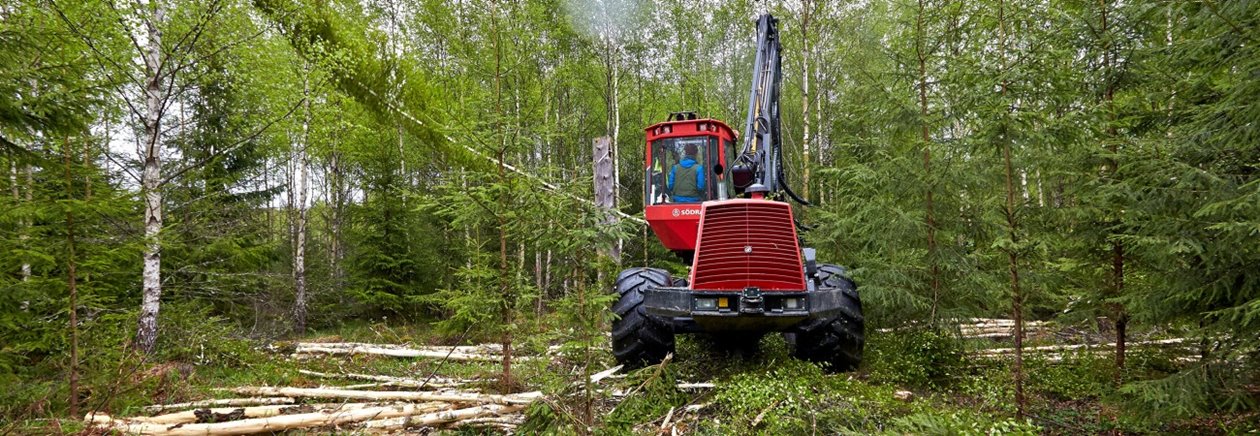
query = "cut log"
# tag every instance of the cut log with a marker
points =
(190, 416)
(695, 386)
(362, 386)
(1060, 348)
(402, 352)
(454, 397)
(444, 349)
(218, 403)
(395, 352)
(513, 419)
(264, 425)
(437, 382)
(347, 345)
(665, 423)
(441, 417)
(596, 377)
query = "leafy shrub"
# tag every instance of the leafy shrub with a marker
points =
(920, 358)
(992, 388)
(960, 423)
(1078, 376)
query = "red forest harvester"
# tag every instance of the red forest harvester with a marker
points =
(717, 208)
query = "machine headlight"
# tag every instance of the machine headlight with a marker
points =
(706, 303)
(792, 303)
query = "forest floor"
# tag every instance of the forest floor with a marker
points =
(912, 382)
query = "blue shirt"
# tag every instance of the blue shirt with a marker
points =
(687, 162)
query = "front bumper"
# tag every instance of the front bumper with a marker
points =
(748, 310)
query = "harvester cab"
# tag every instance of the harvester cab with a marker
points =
(714, 204)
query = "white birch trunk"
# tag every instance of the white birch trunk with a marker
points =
(150, 181)
(547, 271)
(1023, 183)
(299, 243)
(805, 16)
(616, 137)
(17, 197)
(338, 199)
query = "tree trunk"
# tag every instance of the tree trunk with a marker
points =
(805, 54)
(1113, 165)
(299, 243)
(1017, 301)
(72, 287)
(929, 217)
(337, 194)
(1012, 227)
(614, 126)
(150, 184)
(25, 268)
(504, 285)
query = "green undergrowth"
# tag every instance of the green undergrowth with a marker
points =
(768, 393)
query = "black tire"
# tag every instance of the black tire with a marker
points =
(835, 342)
(639, 338)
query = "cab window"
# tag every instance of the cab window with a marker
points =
(679, 171)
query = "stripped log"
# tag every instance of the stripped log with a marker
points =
(401, 352)
(443, 417)
(402, 382)
(398, 352)
(191, 416)
(695, 386)
(1060, 348)
(982, 327)
(461, 349)
(218, 403)
(366, 386)
(454, 397)
(596, 377)
(513, 420)
(264, 425)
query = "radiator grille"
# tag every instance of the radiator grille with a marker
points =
(748, 243)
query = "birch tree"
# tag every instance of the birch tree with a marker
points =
(300, 189)
(146, 33)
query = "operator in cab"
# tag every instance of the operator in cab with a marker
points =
(686, 178)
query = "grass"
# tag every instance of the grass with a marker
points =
(768, 393)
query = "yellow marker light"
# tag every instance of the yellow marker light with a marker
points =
(723, 303)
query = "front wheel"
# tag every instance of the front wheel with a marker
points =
(837, 341)
(639, 338)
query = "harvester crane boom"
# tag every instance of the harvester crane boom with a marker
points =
(762, 153)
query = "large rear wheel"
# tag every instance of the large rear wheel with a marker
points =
(639, 338)
(837, 341)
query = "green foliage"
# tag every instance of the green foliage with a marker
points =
(990, 389)
(781, 395)
(655, 393)
(1079, 376)
(391, 274)
(961, 423)
(917, 358)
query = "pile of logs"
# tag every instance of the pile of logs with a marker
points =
(427, 403)
(1056, 353)
(974, 328)
(997, 328)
